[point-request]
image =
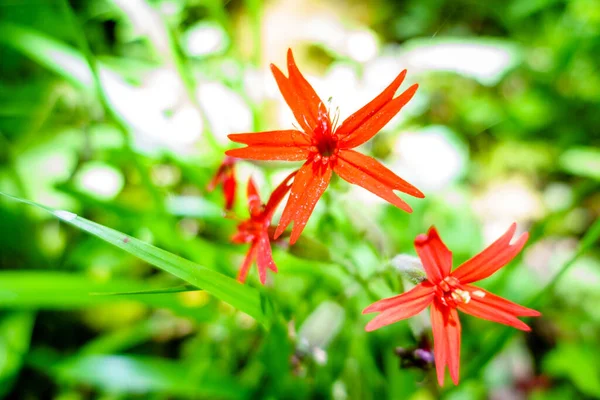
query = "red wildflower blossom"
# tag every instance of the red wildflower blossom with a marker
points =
(255, 230)
(325, 147)
(225, 175)
(448, 291)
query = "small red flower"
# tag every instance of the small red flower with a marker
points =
(255, 230)
(326, 148)
(225, 175)
(448, 291)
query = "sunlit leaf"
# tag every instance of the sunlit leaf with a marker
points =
(243, 297)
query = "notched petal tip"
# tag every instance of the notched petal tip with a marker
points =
(421, 239)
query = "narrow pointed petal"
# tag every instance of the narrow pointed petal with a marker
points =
(446, 341)
(399, 307)
(435, 256)
(362, 115)
(254, 202)
(490, 260)
(289, 138)
(278, 194)
(291, 94)
(371, 166)
(229, 189)
(416, 293)
(371, 126)
(264, 257)
(247, 263)
(309, 184)
(483, 296)
(367, 179)
(264, 152)
(496, 309)
(306, 92)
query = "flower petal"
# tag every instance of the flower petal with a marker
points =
(309, 184)
(436, 258)
(316, 107)
(254, 202)
(355, 174)
(264, 152)
(371, 166)
(285, 138)
(399, 307)
(362, 115)
(372, 125)
(264, 257)
(490, 260)
(416, 293)
(500, 303)
(278, 194)
(496, 309)
(446, 341)
(229, 189)
(247, 263)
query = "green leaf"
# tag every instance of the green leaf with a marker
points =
(59, 290)
(49, 52)
(174, 289)
(581, 161)
(578, 363)
(137, 375)
(15, 335)
(242, 297)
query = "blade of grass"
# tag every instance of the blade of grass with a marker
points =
(60, 290)
(242, 297)
(174, 289)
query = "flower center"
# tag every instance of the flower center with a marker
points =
(451, 293)
(327, 145)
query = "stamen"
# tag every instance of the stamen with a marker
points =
(478, 293)
(461, 296)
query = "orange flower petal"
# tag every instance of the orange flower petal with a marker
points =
(265, 152)
(490, 260)
(367, 179)
(316, 107)
(309, 184)
(254, 202)
(400, 307)
(446, 341)
(285, 138)
(278, 194)
(500, 303)
(378, 120)
(371, 166)
(264, 257)
(435, 256)
(247, 263)
(362, 115)
(486, 311)
(418, 292)
(297, 104)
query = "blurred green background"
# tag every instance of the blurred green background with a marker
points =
(118, 111)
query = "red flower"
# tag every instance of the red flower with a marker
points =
(325, 147)
(225, 175)
(448, 291)
(255, 230)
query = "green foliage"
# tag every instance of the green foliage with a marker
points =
(113, 120)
